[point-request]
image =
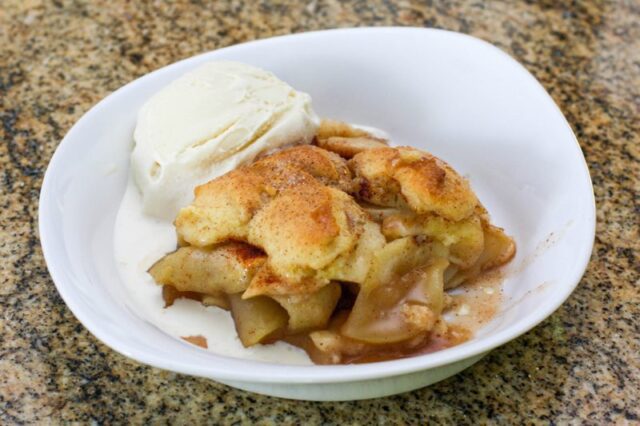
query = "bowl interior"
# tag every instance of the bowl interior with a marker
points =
(453, 95)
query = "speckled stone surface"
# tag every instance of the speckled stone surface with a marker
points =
(59, 58)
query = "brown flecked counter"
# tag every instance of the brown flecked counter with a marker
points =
(58, 58)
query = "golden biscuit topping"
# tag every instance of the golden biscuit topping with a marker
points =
(344, 249)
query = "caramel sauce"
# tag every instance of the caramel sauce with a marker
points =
(475, 303)
(425, 344)
(351, 351)
(196, 340)
(471, 305)
(432, 342)
(170, 294)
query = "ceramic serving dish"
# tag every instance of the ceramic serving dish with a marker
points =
(456, 96)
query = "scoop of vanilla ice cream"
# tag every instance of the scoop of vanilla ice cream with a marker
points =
(208, 122)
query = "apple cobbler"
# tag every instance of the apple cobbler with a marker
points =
(344, 248)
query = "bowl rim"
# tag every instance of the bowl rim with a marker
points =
(283, 373)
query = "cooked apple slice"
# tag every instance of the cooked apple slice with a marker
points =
(465, 238)
(354, 266)
(499, 249)
(347, 147)
(403, 294)
(310, 311)
(226, 268)
(257, 319)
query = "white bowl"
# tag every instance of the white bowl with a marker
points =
(451, 94)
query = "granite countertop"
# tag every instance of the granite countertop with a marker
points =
(58, 58)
